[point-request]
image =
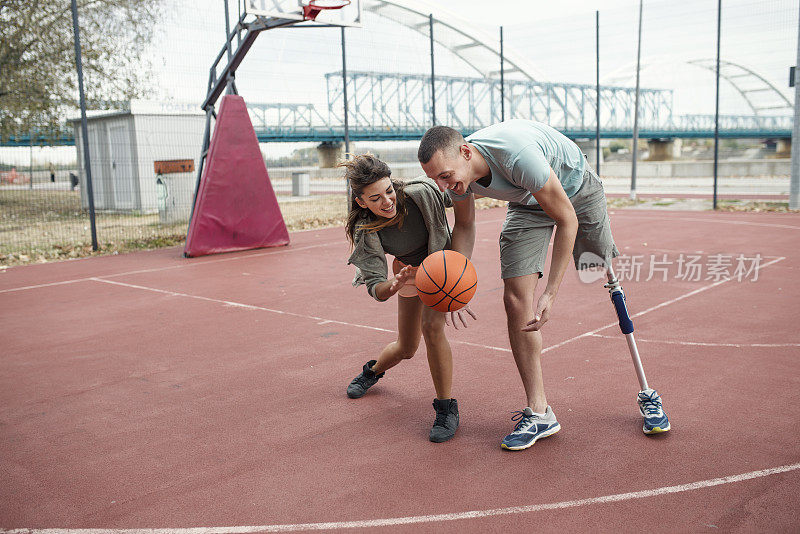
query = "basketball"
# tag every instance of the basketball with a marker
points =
(446, 281)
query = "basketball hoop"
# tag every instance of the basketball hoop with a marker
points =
(314, 7)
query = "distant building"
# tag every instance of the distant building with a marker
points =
(123, 146)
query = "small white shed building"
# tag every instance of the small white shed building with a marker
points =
(124, 145)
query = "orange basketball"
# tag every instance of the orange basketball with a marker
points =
(446, 281)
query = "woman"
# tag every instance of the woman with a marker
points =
(408, 221)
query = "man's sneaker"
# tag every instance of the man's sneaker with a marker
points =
(655, 420)
(530, 427)
(364, 381)
(446, 423)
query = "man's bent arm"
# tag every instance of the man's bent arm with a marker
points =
(464, 227)
(556, 204)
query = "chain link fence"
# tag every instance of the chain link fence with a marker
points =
(293, 83)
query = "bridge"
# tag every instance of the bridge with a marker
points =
(389, 106)
(397, 106)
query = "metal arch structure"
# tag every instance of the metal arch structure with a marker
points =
(472, 45)
(759, 93)
(395, 106)
(747, 83)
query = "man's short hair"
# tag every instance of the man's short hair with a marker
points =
(438, 138)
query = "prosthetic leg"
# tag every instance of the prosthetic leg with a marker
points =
(655, 420)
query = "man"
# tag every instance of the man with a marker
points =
(548, 184)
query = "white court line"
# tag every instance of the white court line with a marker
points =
(500, 349)
(648, 249)
(702, 344)
(271, 252)
(182, 266)
(285, 250)
(395, 521)
(374, 523)
(652, 308)
(319, 320)
(37, 286)
(322, 320)
(698, 219)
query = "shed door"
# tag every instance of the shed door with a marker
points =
(121, 167)
(97, 161)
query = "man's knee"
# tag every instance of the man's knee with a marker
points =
(518, 303)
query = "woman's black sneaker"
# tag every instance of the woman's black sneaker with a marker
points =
(364, 381)
(446, 423)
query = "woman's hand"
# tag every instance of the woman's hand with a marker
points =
(403, 276)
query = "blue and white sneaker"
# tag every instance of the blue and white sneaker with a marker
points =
(655, 420)
(530, 427)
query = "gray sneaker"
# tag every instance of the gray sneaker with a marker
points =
(364, 381)
(446, 423)
(655, 420)
(529, 428)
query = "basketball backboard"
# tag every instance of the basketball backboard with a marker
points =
(349, 15)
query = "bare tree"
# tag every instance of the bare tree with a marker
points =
(38, 81)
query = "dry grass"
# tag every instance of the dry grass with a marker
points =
(618, 202)
(40, 226)
(486, 203)
(754, 205)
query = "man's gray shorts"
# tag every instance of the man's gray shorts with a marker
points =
(527, 231)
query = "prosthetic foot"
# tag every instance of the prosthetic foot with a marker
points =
(655, 420)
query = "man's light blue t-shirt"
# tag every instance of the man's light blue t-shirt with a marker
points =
(520, 154)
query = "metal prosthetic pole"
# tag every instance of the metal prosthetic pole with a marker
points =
(625, 324)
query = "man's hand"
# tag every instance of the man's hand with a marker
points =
(461, 317)
(543, 308)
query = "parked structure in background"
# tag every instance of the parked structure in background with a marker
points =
(125, 144)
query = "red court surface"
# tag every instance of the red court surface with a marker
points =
(152, 393)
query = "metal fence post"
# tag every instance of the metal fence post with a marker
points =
(84, 127)
(502, 80)
(635, 154)
(30, 162)
(344, 97)
(346, 118)
(597, 104)
(229, 89)
(716, 109)
(433, 75)
(794, 185)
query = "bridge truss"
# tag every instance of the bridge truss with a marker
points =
(392, 106)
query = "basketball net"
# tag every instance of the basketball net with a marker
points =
(315, 7)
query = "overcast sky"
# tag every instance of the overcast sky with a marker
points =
(507, 12)
(556, 37)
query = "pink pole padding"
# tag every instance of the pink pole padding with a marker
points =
(236, 207)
